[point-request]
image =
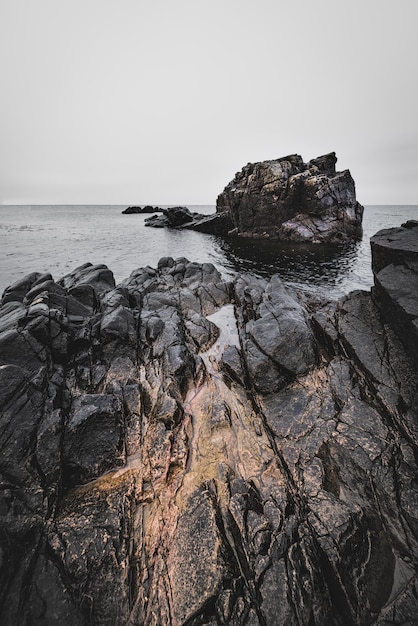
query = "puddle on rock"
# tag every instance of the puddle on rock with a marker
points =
(228, 336)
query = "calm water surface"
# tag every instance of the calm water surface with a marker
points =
(59, 238)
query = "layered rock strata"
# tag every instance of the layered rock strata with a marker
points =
(181, 450)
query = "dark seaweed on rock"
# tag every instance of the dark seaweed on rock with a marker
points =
(160, 467)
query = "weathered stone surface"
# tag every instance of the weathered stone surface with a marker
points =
(395, 246)
(178, 450)
(19, 289)
(182, 217)
(98, 276)
(283, 199)
(395, 266)
(277, 341)
(93, 440)
(292, 200)
(172, 217)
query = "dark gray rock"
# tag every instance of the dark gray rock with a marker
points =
(219, 224)
(93, 440)
(395, 246)
(182, 217)
(275, 333)
(292, 200)
(98, 276)
(17, 291)
(283, 199)
(158, 221)
(172, 217)
(395, 267)
(131, 210)
(181, 450)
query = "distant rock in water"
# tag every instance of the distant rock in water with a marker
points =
(292, 200)
(180, 449)
(172, 217)
(146, 209)
(284, 199)
(182, 217)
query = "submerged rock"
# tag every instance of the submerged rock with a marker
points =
(178, 449)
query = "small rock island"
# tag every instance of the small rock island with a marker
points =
(284, 199)
(185, 450)
(134, 210)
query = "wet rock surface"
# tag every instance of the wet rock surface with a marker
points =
(178, 449)
(292, 200)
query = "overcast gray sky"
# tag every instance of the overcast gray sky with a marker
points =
(162, 101)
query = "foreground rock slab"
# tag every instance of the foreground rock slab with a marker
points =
(181, 450)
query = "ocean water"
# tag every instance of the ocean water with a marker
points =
(57, 239)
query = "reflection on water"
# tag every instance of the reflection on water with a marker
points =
(331, 271)
(304, 264)
(59, 238)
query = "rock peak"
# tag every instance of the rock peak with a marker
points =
(325, 164)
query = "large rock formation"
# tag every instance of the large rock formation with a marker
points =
(292, 200)
(179, 450)
(284, 199)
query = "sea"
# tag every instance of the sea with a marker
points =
(57, 239)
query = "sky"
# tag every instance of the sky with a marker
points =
(163, 101)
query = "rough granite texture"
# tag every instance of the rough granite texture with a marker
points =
(179, 450)
(292, 200)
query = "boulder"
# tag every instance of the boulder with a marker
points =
(395, 267)
(292, 200)
(181, 217)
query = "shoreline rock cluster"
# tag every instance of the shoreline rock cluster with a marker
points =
(284, 199)
(181, 217)
(182, 450)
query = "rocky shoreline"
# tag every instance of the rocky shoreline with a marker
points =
(183, 450)
(284, 199)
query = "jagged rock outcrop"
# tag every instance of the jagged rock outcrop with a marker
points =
(180, 450)
(284, 199)
(181, 217)
(292, 200)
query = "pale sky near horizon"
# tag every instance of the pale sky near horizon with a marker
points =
(127, 101)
